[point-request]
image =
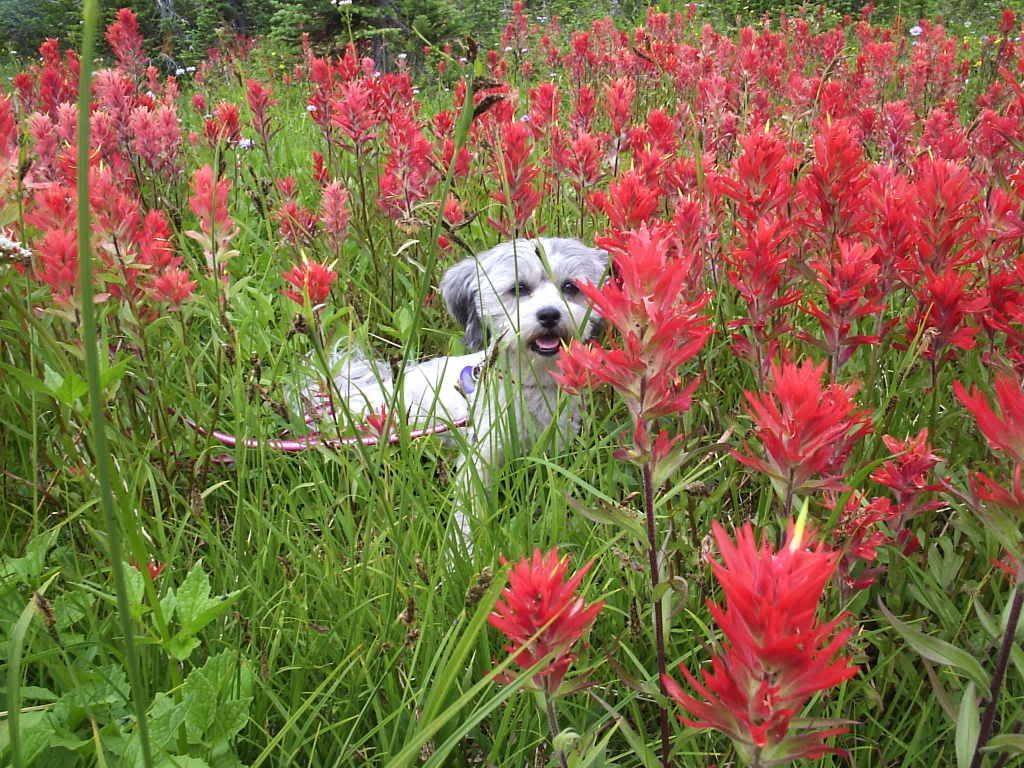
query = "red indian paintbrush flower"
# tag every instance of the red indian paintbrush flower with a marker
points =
(313, 281)
(775, 654)
(806, 431)
(649, 303)
(542, 616)
(1004, 432)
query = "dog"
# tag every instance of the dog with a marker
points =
(519, 304)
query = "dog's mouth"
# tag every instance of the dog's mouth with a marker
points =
(547, 346)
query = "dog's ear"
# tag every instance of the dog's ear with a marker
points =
(460, 289)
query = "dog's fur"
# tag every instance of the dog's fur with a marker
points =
(518, 304)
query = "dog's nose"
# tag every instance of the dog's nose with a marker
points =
(549, 317)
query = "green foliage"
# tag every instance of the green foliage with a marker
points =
(78, 713)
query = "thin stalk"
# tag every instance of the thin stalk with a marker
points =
(90, 342)
(549, 705)
(1009, 635)
(659, 626)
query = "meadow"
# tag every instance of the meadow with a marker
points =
(803, 426)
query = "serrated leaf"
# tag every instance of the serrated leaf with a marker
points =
(66, 389)
(937, 650)
(968, 725)
(181, 646)
(165, 718)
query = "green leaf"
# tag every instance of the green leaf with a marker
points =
(29, 568)
(65, 389)
(938, 651)
(135, 585)
(195, 609)
(611, 514)
(968, 725)
(1010, 743)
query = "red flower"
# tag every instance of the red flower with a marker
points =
(775, 654)
(1005, 431)
(806, 431)
(126, 40)
(628, 203)
(313, 281)
(514, 171)
(907, 473)
(210, 201)
(649, 304)
(334, 213)
(539, 612)
(173, 287)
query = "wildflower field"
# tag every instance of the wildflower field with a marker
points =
(790, 531)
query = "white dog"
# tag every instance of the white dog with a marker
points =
(519, 304)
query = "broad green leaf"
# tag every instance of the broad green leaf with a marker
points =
(1010, 743)
(968, 725)
(938, 651)
(65, 389)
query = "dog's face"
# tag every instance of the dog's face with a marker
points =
(526, 293)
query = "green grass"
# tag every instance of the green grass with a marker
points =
(351, 638)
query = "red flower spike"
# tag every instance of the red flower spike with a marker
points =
(806, 431)
(775, 654)
(1005, 431)
(543, 617)
(649, 303)
(312, 280)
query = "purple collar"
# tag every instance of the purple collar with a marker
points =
(467, 379)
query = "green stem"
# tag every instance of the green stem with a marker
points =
(90, 342)
(659, 619)
(549, 705)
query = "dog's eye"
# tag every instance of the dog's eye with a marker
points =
(569, 288)
(521, 289)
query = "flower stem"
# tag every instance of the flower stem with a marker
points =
(90, 344)
(549, 706)
(659, 624)
(1009, 634)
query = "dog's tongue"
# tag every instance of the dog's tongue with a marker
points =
(548, 343)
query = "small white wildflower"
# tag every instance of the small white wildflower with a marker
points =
(311, 107)
(344, 2)
(245, 143)
(967, 23)
(179, 71)
(151, 94)
(190, 70)
(463, 60)
(508, 49)
(403, 56)
(524, 118)
(415, 91)
(525, 50)
(376, 73)
(915, 30)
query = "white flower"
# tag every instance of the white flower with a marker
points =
(344, 2)
(311, 108)
(508, 49)
(403, 56)
(245, 143)
(463, 60)
(190, 70)
(525, 50)
(525, 118)
(179, 71)
(915, 30)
